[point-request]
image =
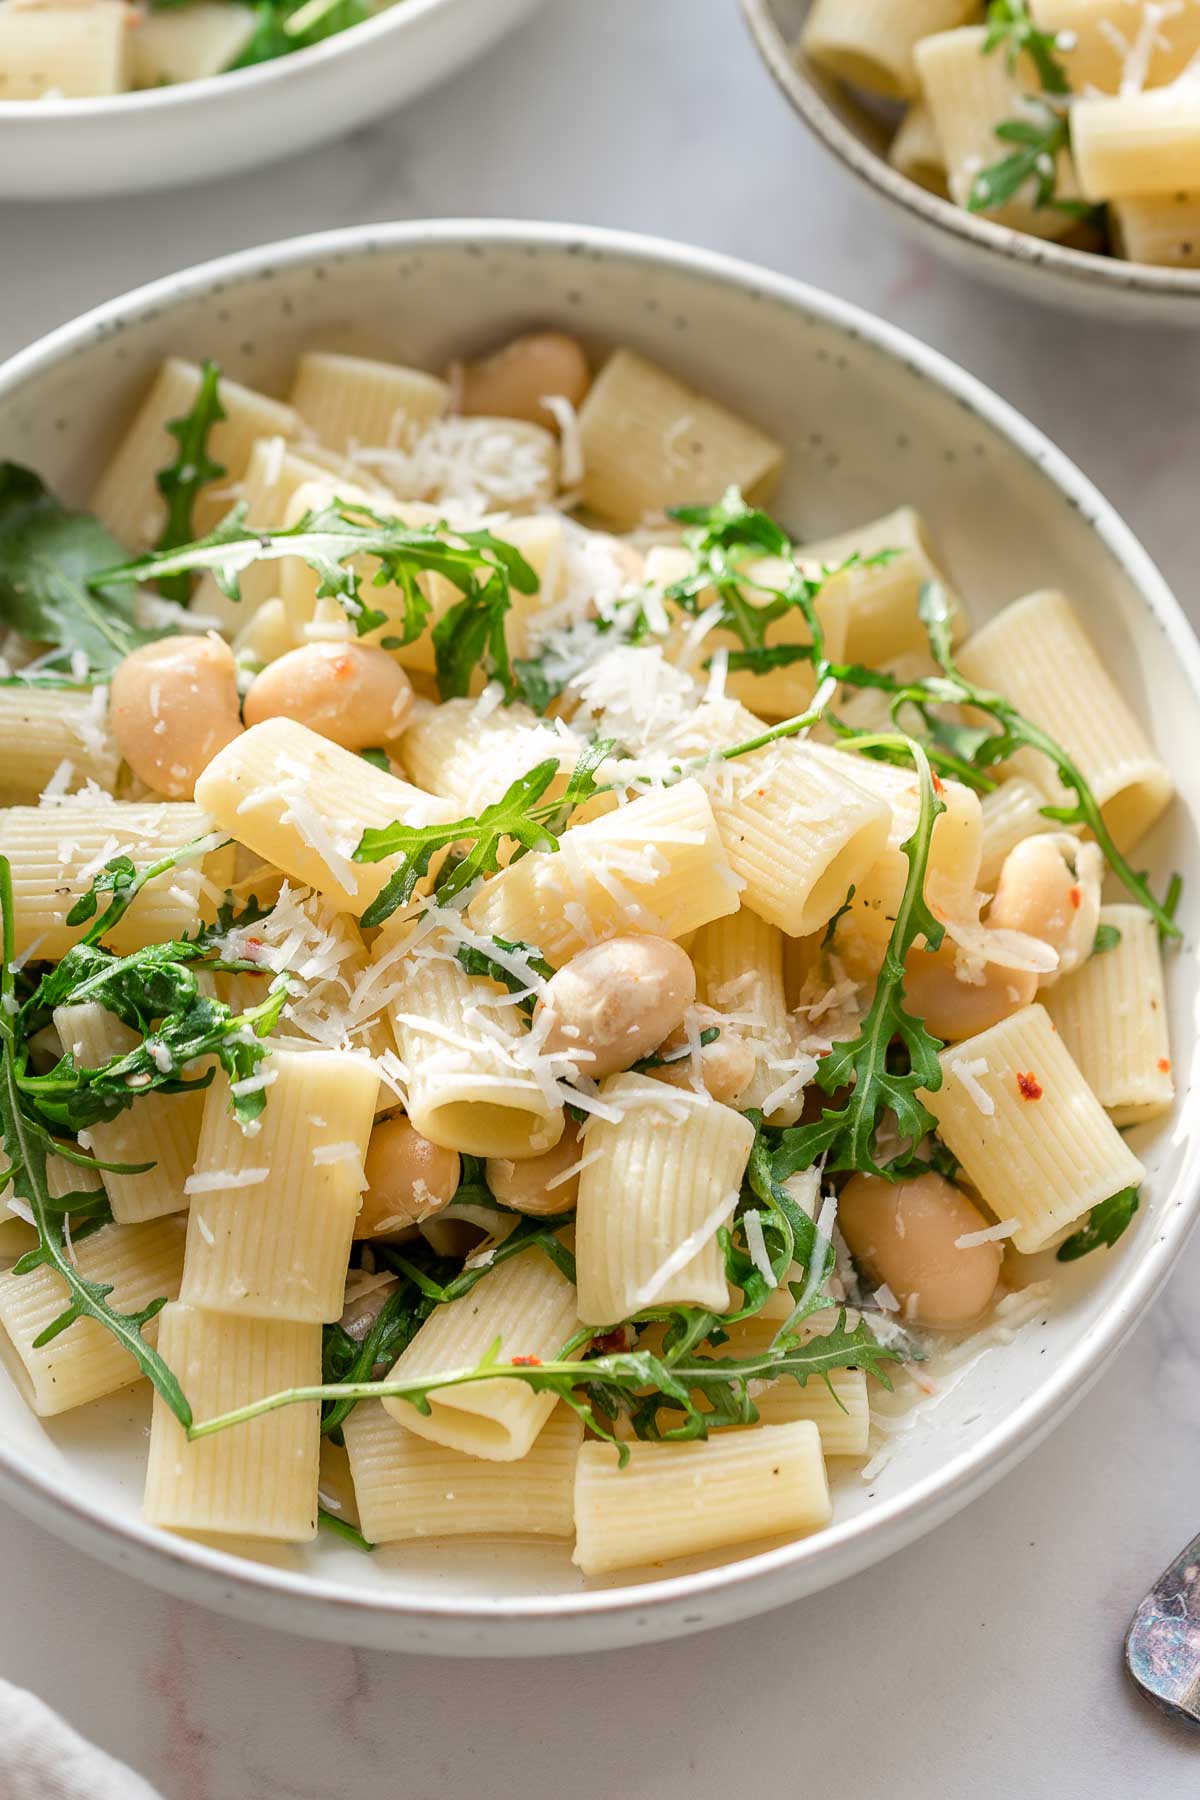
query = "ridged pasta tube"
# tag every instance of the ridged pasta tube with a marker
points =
(43, 729)
(1138, 144)
(407, 1487)
(969, 94)
(84, 1362)
(870, 43)
(70, 50)
(56, 850)
(126, 497)
(257, 1479)
(659, 1180)
(879, 600)
(1038, 655)
(529, 1306)
(473, 1078)
(273, 1212)
(839, 1407)
(1163, 229)
(656, 865)
(683, 1499)
(798, 828)
(302, 803)
(162, 1129)
(1031, 1136)
(1111, 1013)
(650, 442)
(1142, 43)
(352, 402)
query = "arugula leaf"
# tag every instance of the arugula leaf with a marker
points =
(281, 26)
(378, 759)
(517, 817)
(181, 481)
(476, 961)
(331, 538)
(50, 588)
(707, 1393)
(840, 914)
(1106, 1223)
(71, 1098)
(26, 1145)
(846, 1135)
(1035, 160)
(1107, 938)
(1010, 26)
(329, 1521)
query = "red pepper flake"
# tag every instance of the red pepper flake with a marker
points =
(1164, 1063)
(939, 786)
(527, 1362)
(1030, 1086)
(1075, 896)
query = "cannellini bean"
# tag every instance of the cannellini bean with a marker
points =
(408, 1179)
(615, 1002)
(353, 694)
(172, 705)
(727, 1064)
(1049, 888)
(953, 1008)
(513, 381)
(540, 1185)
(905, 1235)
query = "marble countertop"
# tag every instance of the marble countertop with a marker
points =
(986, 1660)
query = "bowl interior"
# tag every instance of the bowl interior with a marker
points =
(858, 129)
(871, 420)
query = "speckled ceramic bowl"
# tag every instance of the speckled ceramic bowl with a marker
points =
(871, 418)
(199, 130)
(1106, 286)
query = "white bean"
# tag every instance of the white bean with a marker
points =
(513, 381)
(1049, 888)
(353, 694)
(616, 1002)
(408, 1179)
(173, 704)
(905, 1235)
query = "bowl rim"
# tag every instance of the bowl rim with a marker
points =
(302, 1600)
(237, 83)
(1111, 273)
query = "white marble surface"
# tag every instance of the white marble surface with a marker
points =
(986, 1661)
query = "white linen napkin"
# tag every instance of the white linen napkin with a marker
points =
(42, 1758)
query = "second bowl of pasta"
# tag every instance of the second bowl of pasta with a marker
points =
(587, 1045)
(1049, 145)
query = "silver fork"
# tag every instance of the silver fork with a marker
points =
(1162, 1647)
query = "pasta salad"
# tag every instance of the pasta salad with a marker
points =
(79, 49)
(515, 967)
(1077, 120)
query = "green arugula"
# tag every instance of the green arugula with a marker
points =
(27, 1145)
(1106, 1223)
(655, 1060)
(330, 538)
(476, 961)
(329, 1521)
(707, 1393)
(519, 817)
(1009, 26)
(282, 26)
(846, 1135)
(51, 590)
(180, 482)
(1107, 938)
(1039, 141)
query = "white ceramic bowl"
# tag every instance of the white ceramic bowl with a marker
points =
(871, 418)
(845, 124)
(199, 130)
